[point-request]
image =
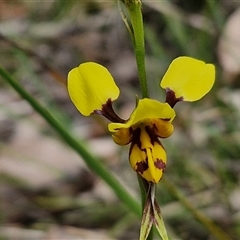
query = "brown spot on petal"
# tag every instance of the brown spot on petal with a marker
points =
(141, 167)
(160, 164)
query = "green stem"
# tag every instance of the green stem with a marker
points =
(135, 12)
(92, 162)
(144, 186)
(137, 35)
(139, 49)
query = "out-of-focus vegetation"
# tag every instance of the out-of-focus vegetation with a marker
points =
(46, 191)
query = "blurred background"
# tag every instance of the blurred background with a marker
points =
(46, 190)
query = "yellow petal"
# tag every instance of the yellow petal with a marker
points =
(146, 109)
(90, 85)
(122, 136)
(189, 78)
(162, 128)
(148, 157)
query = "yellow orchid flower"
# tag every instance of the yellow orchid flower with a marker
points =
(149, 121)
(92, 90)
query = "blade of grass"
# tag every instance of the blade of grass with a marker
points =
(216, 231)
(45, 66)
(92, 162)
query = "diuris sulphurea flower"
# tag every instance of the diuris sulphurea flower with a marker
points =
(93, 90)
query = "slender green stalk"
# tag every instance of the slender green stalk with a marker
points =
(134, 8)
(137, 36)
(143, 184)
(92, 162)
(137, 23)
(135, 13)
(217, 232)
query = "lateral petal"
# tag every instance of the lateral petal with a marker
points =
(189, 78)
(90, 85)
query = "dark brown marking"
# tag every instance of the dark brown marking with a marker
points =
(171, 98)
(152, 135)
(160, 164)
(136, 138)
(141, 167)
(108, 112)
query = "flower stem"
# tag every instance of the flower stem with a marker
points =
(135, 13)
(134, 8)
(92, 162)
